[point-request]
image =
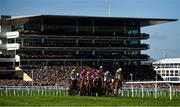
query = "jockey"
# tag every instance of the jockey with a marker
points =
(95, 74)
(83, 74)
(101, 67)
(72, 74)
(118, 73)
(78, 77)
(100, 72)
(107, 76)
(91, 72)
(88, 75)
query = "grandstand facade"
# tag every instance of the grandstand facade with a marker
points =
(168, 68)
(80, 40)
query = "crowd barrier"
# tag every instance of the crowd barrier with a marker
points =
(132, 92)
(33, 91)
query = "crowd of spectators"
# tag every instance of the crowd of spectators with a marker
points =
(7, 82)
(44, 76)
(56, 75)
(49, 75)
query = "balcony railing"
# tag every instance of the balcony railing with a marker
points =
(11, 46)
(9, 35)
(145, 36)
(85, 45)
(85, 56)
(87, 35)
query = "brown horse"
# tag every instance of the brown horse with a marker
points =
(97, 86)
(72, 87)
(107, 87)
(118, 85)
(89, 86)
(82, 87)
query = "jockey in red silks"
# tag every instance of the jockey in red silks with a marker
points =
(83, 74)
(91, 73)
(100, 72)
(88, 75)
(94, 75)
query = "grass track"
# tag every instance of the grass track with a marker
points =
(84, 101)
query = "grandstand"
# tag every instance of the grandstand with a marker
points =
(168, 68)
(51, 42)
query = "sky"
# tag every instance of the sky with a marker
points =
(164, 38)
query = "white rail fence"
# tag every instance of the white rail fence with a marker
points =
(33, 91)
(130, 89)
(152, 89)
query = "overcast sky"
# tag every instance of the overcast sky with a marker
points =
(165, 38)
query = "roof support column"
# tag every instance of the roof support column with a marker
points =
(93, 28)
(42, 24)
(77, 28)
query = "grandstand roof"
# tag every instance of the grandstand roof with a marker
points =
(142, 21)
(168, 61)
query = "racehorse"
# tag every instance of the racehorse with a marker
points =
(112, 86)
(82, 87)
(72, 87)
(89, 86)
(97, 86)
(118, 84)
(107, 86)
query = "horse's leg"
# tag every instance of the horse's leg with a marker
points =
(70, 92)
(117, 90)
(81, 90)
(87, 90)
(105, 89)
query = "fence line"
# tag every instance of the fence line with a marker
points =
(33, 91)
(62, 91)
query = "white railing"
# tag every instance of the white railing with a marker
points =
(154, 90)
(11, 46)
(138, 89)
(9, 35)
(33, 91)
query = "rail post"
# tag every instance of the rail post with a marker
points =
(132, 90)
(170, 92)
(155, 89)
(142, 89)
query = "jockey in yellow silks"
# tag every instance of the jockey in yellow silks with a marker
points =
(118, 74)
(72, 74)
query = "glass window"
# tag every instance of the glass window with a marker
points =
(159, 72)
(171, 73)
(167, 73)
(132, 30)
(57, 28)
(133, 52)
(176, 72)
(32, 27)
(134, 42)
(17, 28)
(163, 74)
(109, 28)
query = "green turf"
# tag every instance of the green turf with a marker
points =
(85, 101)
